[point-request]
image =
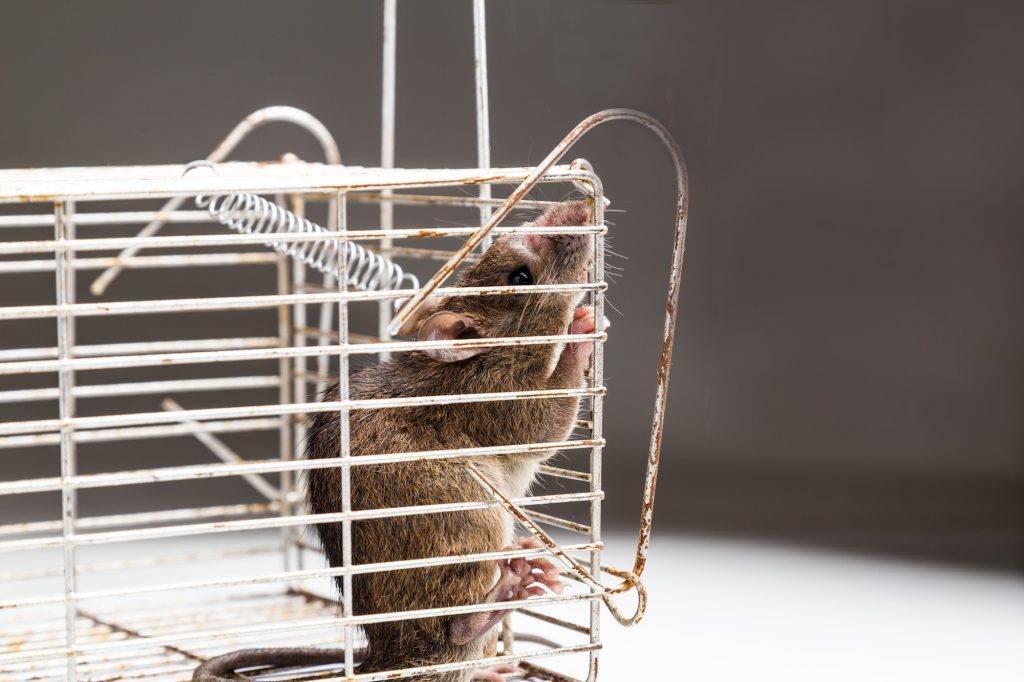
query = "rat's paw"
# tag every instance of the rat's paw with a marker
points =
(538, 575)
(524, 578)
(583, 321)
(576, 356)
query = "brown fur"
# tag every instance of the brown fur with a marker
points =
(426, 641)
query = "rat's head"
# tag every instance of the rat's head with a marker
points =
(520, 261)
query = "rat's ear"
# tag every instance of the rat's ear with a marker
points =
(447, 325)
(426, 309)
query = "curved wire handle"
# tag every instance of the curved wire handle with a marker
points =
(629, 579)
(256, 119)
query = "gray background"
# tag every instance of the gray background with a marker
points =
(848, 370)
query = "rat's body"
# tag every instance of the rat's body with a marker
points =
(450, 639)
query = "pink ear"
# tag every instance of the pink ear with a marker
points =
(447, 326)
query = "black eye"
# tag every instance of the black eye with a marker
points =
(520, 277)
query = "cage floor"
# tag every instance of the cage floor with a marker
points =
(164, 635)
(171, 661)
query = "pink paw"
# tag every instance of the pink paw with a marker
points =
(534, 575)
(582, 323)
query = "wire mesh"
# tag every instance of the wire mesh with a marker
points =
(103, 596)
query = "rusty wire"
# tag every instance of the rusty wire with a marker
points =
(629, 578)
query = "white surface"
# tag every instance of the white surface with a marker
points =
(725, 610)
(741, 611)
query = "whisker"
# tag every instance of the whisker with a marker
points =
(612, 306)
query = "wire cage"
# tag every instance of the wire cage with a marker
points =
(150, 591)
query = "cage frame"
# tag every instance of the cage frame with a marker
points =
(65, 190)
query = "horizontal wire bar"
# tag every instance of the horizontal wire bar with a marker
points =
(139, 518)
(142, 432)
(276, 353)
(283, 576)
(83, 219)
(281, 522)
(164, 417)
(142, 347)
(296, 625)
(439, 200)
(132, 182)
(143, 262)
(559, 472)
(142, 562)
(187, 668)
(187, 305)
(142, 388)
(291, 608)
(200, 471)
(557, 522)
(481, 662)
(183, 607)
(229, 238)
(107, 218)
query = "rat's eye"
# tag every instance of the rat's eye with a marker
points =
(521, 277)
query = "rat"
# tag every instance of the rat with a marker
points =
(511, 260)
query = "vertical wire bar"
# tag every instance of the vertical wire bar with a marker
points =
(508, 639)
(64, 229)
(327, 309)
(387, 145)
(286, 446)
(343, 437)
(483, 120)
(597, 430)
(298, 207)
(483, 160)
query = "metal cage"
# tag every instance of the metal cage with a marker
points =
(138, 629)
(101, 596)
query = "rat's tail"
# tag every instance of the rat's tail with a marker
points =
(222, 668)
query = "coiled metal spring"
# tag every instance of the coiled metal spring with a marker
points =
(252, 214)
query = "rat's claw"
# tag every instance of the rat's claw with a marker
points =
(541, 571)
(534, 590)
(548, 574)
